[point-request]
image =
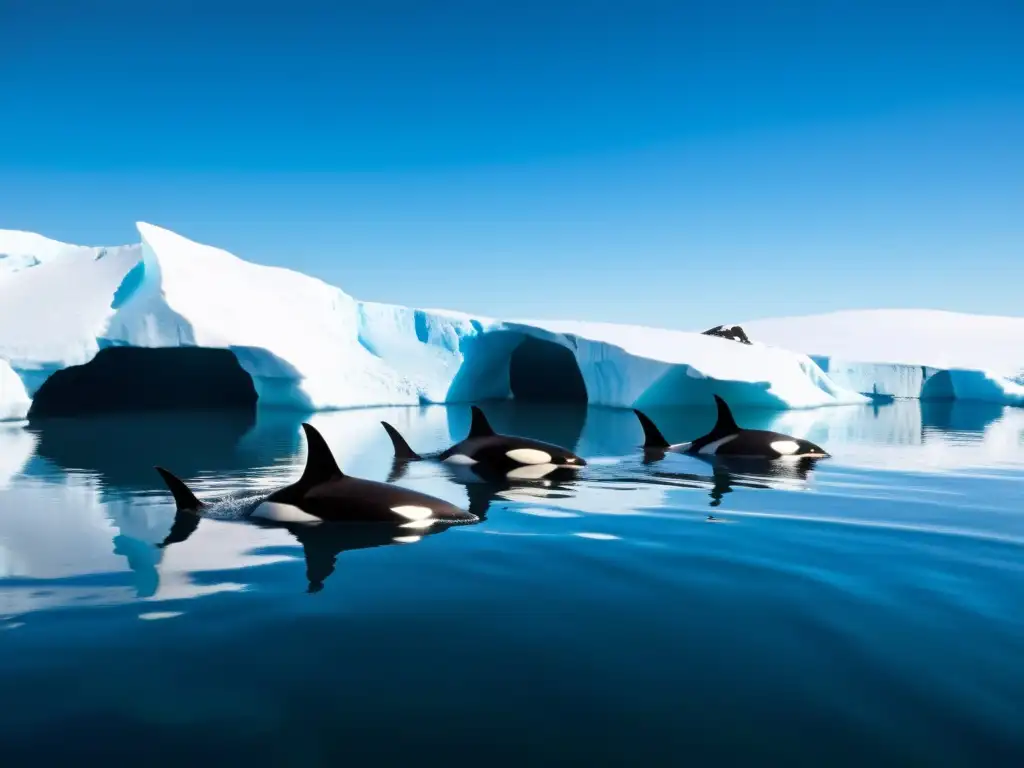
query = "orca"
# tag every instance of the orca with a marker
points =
(491, 454)
(728, 440)
(359, 514)
(324, 494)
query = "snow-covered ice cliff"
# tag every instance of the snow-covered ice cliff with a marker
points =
(309, 345)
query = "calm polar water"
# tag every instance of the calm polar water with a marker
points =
(871, 613)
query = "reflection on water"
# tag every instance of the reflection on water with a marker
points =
(81, 495)
(101, 469)
(926, 437)
(320, 544)
(484, 487)
(870, 599)
(724, 475)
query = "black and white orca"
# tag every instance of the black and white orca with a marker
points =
(368, 514)
(728, 440)
(324, 494)
(491, 454)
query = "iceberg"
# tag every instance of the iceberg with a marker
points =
(909, 353)
(81, 325)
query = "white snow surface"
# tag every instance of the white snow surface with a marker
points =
(310, 345)
(901, 352)
(20, 250)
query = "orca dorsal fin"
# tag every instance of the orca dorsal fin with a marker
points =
(652, 435)
(184, 499)
(402, 449)
(480, 427)
(320, 464)
(726, 424)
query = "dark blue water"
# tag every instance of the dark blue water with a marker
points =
(870, 613)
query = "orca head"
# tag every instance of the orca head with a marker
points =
(797, 448)
(567, 460)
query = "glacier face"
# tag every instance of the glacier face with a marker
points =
(910, 353)
(309, 345)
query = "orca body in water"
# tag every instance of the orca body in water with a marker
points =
(361, 514)
(728, 440)
(325, 494)
(493, 455)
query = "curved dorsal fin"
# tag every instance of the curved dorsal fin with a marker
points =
(402, 449)
(480, 427)
(184, 499)
(652, 435)
(726, 424)
(320, 463)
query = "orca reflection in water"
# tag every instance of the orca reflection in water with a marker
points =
(485, 485)
(728, 474)
(512, 456)
(322, 544)
(728, 440)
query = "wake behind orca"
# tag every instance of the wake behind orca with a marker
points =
(491, 454)
(728, 440)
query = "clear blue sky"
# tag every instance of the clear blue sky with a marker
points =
(677, 164)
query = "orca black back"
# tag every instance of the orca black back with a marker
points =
(323, 493)
(484, 445)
